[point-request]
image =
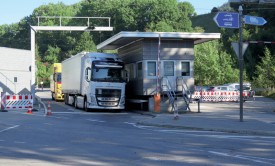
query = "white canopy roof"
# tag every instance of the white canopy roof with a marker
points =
(124, 38)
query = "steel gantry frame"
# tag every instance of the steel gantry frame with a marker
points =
(60, 27)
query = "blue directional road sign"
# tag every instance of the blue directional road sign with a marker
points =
(253, 20)
(227, 20)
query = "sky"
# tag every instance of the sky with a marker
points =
(12, 11)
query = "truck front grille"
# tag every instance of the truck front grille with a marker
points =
(108, 97)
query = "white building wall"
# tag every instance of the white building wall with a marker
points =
(15, 74)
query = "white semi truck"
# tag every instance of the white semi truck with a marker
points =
(94, 81)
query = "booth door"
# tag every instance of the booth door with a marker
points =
(168, 71)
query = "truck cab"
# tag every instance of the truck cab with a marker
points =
(56, 82)
(96, 81)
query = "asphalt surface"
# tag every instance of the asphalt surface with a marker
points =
(258, 117)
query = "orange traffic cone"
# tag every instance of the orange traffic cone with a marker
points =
(29, 109)
(49, 111)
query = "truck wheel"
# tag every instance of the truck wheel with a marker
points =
(75, 102)
(52, 96)
(85, 107)
(66, 99)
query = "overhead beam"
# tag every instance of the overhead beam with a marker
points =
(71, 28)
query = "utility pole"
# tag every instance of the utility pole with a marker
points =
(241, 59)
(252, 20)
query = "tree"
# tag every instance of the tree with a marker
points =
(265, 71)
(85, 43)
(42, 73)
(186, 11)
(52, 55)
(213, 66)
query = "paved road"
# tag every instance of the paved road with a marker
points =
(74, 137)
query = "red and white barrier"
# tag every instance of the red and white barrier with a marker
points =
(16, 101)
(217, 96)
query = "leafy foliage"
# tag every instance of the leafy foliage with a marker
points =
(265, 73)
(213, 66)
(215, 62)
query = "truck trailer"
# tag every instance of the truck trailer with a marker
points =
(56, 83)
(94, 81)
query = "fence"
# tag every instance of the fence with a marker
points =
(217, 96)
(16, 101)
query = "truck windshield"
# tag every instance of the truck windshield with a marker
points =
(58, 77)
(107, 74)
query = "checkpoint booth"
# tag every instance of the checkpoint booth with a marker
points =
(151, 56)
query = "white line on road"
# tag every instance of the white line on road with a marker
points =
(94, 120)
(19, 142)
(9, 128)
(251, 158)
(264, 139)
(140, 126)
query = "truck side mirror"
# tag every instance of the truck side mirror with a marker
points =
(88, 73)
(125, 75)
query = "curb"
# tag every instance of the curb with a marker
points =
(244, 132)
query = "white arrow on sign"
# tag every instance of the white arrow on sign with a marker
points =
(235, 46)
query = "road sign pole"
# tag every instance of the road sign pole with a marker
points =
(241, 60)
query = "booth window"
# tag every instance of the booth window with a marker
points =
(168, 67)
(151, 68)
(139, 70)
(15, 79)
(185, 68)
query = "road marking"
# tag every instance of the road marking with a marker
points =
(94, 120)
(9, 128)
(18, 142)
(264, 139)
(140, 126)
(50, 124)
(251, 158)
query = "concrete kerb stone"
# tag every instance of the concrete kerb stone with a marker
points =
(244, 132)
(228, 123)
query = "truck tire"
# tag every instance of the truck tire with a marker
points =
(52, 96)
(85, 107)
(66, 99)
(75, 102)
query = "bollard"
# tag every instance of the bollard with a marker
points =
(157, 102)
(199, 111)
(176, 112)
